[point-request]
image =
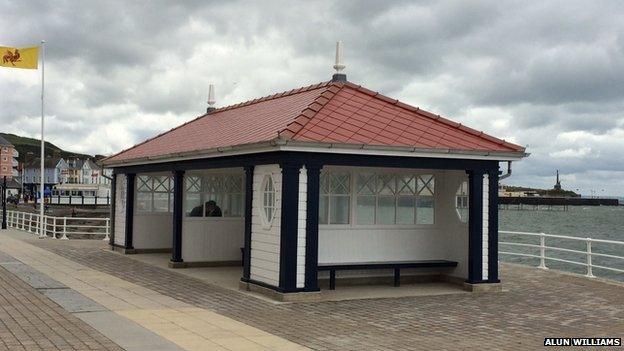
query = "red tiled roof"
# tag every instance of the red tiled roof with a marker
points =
(328, 112)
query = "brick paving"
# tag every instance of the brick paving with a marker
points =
(31, 321)
(537, 304)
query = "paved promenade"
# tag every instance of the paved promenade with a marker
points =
(31, 321)
(534, 305)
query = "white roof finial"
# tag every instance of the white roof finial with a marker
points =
(339, 66)
(211, 95)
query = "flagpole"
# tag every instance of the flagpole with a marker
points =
(42, 233)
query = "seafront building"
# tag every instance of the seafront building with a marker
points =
(8, 159)
(66, 177)
(331, 181)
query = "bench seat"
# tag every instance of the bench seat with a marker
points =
(396, 265)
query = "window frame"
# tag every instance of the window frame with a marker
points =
(465, 196)
(267, 222)
(204, 193)
(152, 178)
(354, 171)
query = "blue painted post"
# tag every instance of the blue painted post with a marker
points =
(288, 229)
(493, 227)
(249, 171)
(178, 194)
(475, 226)
(130, 182)
(312, 213)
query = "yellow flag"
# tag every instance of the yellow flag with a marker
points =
(27, 58)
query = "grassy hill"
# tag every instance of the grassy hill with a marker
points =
(25, 145)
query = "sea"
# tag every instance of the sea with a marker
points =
(595, 222)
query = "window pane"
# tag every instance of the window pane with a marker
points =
(340, 183)
(235, 206)
(194, 206)
(406, 184)
(425, 210)
(366, 184)
(323, 208)
(324, 183)
(386, 184)
(144, 183)
(193, 184)
(426, 185)
(405, 210)
(161, 202)
(385, 209)
(339, 210)
(144, 202)
(365, 210)
(162, 184)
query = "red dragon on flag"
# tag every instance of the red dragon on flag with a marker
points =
(11, 57)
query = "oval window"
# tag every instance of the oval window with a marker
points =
(268, 200)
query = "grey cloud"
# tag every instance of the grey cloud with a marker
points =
(129, 70)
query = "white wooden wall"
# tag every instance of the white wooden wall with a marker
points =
(265, 241)
(212, 239)
(152, 230)
(301, 227)
(453, 232)
(120, 210)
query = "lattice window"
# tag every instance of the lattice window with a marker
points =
(154, 194)
(335, 198)
(214, 195)
(394, 198)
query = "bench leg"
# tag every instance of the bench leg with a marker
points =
(332, 280)
(397, 276)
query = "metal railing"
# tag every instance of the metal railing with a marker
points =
(546, 253)
(76, 200)
(59, 227)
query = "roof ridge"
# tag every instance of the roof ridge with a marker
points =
(310, 111)
(226, 108)
(273, 96)
(433, 116)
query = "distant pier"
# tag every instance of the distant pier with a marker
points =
(551, 203)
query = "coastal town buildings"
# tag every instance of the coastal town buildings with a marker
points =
(8, 159)
(66, 177)
(331, 181)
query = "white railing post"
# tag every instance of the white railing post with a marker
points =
(53, 227)
(64, 237)
(107, 237)
(590, 273)
(30, 222)
(542, 264)
(42, 226)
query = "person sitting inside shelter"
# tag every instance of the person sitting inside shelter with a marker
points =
(212, 210)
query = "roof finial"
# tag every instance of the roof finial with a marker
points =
(339, 66)
(211, 98)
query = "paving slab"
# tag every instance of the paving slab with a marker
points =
(31, 276)
(72, 301)
(535, 305)
(125, 333)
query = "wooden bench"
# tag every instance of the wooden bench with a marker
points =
(396, 265)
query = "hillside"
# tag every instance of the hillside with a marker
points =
(25, 145)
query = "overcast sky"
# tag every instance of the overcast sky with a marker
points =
(545, 74)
